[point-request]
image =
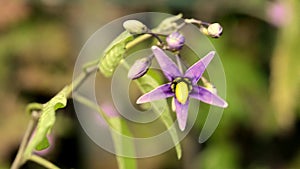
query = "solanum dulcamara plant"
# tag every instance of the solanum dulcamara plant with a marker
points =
(181, 85)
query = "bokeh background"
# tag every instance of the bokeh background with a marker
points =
(40, 40)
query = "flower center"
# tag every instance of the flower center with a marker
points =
(181, 87)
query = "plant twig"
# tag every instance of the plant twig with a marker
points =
(30, 128)
(43, 162)
(179, 63)
(35, 116)
(137, 41)
(90, 104)
(82, 77)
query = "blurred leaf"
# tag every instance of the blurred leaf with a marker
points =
(119, 129)
(122, 146)
(219, 155)
(114, 54)
(146, 84)
(285, 70)
(24, 51)
(247, 88)
(46, 121)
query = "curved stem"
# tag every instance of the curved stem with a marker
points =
(82, 77)
(30, 128)
(137, 40)
(156, 36)
(19, 160)
(43, 162)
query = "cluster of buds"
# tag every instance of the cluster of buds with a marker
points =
(174, 41)
(182, 85)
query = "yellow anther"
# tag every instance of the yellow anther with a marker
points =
(182, 92)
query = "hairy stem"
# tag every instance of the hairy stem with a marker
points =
(43, 162)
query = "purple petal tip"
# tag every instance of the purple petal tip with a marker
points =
(181, 127)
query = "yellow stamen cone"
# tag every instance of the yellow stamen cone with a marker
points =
(182, 92)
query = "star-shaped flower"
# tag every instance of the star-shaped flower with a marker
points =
(182, 86)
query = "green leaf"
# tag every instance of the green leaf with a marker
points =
(114, 54)
(43, 144)
(46, 121)
(122, 145)
(119, 128)
(146, 84)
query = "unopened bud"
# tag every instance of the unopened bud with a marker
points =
(139, 68)
(215, 30)
(175, 41)
(135, 27)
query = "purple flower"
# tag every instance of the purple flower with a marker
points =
(175, 41)
(182, 86)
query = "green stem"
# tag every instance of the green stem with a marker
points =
(82, 77)
(137, 41)
(179, 64)
(19, 160)
(43, 162)
(90, 104)
(30, 128)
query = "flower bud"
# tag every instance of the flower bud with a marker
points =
(215, 30)
(135, 27)
(139, 68)
(175, 41)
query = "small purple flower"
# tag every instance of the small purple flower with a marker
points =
(175, 41)
(182, 86)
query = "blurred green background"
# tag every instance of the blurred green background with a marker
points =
(40, 40)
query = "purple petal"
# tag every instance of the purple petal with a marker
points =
(182, 113)
(161, 92)
(206, 96)
(168, 67)
(196, 70)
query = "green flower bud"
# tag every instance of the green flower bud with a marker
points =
(135, 27)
